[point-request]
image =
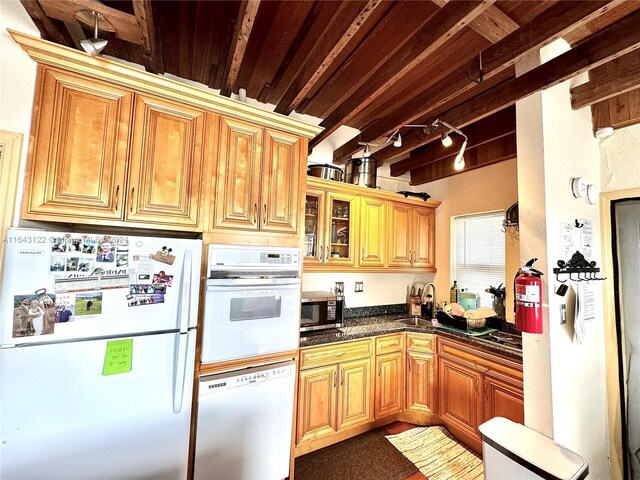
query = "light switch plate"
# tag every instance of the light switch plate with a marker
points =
(359, 287)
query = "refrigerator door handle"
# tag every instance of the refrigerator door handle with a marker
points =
(185, 294)
(180, 371)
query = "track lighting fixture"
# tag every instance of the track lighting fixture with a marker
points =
(446, 139)
(394, 137)
(93, 46)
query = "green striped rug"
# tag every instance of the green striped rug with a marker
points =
(437, 454)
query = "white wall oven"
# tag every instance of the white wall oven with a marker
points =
(252, 303)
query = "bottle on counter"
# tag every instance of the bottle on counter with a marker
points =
(455, 293)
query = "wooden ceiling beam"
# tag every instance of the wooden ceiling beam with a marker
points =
(151, 42)
(493, 24)
(443, 25)
(125, 25)
(47, 27)
(543, 29)
(621, 38)
(244, 25)
(488, 129)
(307, 79)
(498, 150)
(606, 81)
(385, 40)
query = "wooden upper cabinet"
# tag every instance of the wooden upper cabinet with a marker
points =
(340, 236)
(79, 149)
(281, 182)
(237, 195)
(400, 243)
(373, 232)
(165, 172)
(411, 236)
(424, 229)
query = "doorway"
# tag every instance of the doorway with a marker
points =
(622, 247)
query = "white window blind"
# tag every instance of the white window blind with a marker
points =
(479, 254)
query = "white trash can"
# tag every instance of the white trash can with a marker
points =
(514, 452)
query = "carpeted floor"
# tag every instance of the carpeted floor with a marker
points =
(438, 455)
(369, 456)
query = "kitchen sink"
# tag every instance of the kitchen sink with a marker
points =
(415, 322)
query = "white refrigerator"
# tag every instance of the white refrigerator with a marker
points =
(97, 350)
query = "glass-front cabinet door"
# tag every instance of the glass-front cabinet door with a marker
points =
(340, 246)
(314, 219)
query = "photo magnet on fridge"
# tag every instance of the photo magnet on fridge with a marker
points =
(33, 314)
(142, 300)
(161, 278)
(164, 256)
(89, 303)
(105, 250)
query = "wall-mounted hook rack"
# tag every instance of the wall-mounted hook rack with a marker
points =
(586, 271)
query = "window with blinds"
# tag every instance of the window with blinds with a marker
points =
(479, 254)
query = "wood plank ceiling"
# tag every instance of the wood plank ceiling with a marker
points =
(370, 64)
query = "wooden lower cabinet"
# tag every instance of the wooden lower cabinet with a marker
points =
(503, 399)
(475, 386)
(389, 387)
(354, 393)
(317, 403)
(420, 391)
(333, 398)
(348, 388)
(459, 395)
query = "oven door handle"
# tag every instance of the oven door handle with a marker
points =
(251, 288)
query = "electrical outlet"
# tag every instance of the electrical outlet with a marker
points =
(359, 287)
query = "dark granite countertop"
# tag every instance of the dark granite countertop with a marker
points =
(375, 325)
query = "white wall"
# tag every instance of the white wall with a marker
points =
(620, 153)
(17, 78)
(564, 381)
(379, 288)
(486, 189)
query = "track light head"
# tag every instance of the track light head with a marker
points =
(458, 163)
(93, 46)
(446, 139)
(367, 151)
(398, 141)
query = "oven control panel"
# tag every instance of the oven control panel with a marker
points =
(240, 257)
(278, 258)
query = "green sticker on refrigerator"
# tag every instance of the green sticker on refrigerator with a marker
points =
(117, 357)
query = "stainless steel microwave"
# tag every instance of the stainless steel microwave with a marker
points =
(320, 310)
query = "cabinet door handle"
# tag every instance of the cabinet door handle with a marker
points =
(342, 378)
(264, 220)
(117, 196)
(133, 189)
(321, 249)
(334, 379)
(327, 255)
(362, 255)
(378, 369)
(255, 213)
(477, 391)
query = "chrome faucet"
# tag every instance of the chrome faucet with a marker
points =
(433, 297)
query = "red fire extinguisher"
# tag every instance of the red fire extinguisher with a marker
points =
(527, 286)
